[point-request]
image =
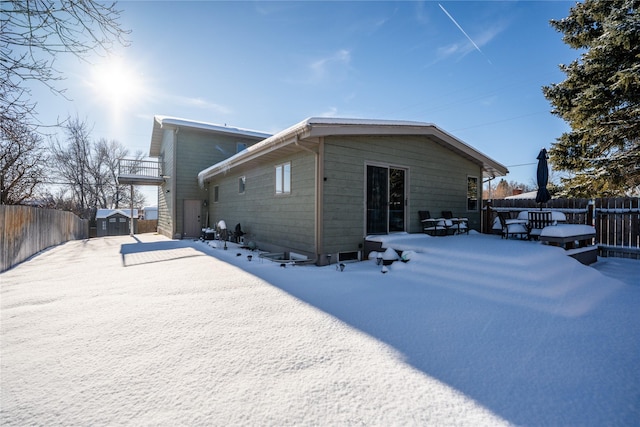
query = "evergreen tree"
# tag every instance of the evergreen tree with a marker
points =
(600, 99)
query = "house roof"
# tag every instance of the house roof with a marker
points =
(106, 213)
(164, 122)
(307, 133)
(527, 195)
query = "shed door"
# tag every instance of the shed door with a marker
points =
(385, 199)
(192, 212)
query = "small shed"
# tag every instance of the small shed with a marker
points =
(115, 222)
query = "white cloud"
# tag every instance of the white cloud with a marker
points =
(333, 66)
(202, 104)
(461, 49)
(331, 112)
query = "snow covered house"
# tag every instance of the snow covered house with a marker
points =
(115, 222)
(321, 186)
(183, 148)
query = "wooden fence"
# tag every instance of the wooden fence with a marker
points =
(617, 223)
(617, 220)
(26, 230)
(147, 226)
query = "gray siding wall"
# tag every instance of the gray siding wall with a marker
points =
(274, 222)
(436, 177)
(194, 151)
(165, 193)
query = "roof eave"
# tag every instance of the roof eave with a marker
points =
(320, 127)
(160, 123)
(286, 137)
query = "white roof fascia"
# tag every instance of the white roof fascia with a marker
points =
(325, 126)
(281, 139)
(165, 122)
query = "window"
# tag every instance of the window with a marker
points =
(123, 219)
(104, 225)
(216, 191)
(112, 220)
(283, 178)
(240, 146)
(241, 183)
(472, 193)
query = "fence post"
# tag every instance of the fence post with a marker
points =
(591, 212)
(486, 226)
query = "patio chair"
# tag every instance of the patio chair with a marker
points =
(424, 215)
(513, 227)
(238, 233)
(537, 221)
(432, 226)
(455, 225)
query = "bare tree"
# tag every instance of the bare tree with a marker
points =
(72, 161)
(89, 171)
(22, 162)
(107, 156)
(34, 32)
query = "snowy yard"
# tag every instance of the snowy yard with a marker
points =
(473, 330)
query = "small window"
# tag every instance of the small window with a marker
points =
(123, 219)
(104, 225)
(240, 146)
(472, 193)
(283, 178)
(241, 183)
(216, 192)
(112, 220)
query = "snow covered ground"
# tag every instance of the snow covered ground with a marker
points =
(473, 330)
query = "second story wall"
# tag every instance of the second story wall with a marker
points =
(195, 151)
(166, 192)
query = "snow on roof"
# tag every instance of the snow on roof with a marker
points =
(527, 195)
(355, 121)
(106, 213)
(314, 127)
(161, 122)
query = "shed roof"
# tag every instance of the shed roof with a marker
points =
(311, 129)
(106, 213)
(163, 122)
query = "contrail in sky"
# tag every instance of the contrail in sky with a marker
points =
(463, 31)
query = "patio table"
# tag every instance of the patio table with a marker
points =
(577, 239)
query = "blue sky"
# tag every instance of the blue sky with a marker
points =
(473, 68)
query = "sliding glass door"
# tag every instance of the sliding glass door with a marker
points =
(385, 199)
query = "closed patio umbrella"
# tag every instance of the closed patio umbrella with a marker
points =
(542, 177)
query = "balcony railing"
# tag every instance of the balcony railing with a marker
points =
(140, 172)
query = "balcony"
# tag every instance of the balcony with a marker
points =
(140, 172)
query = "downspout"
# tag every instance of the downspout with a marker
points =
(131, 217)
(317, 216)
(174, 201)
